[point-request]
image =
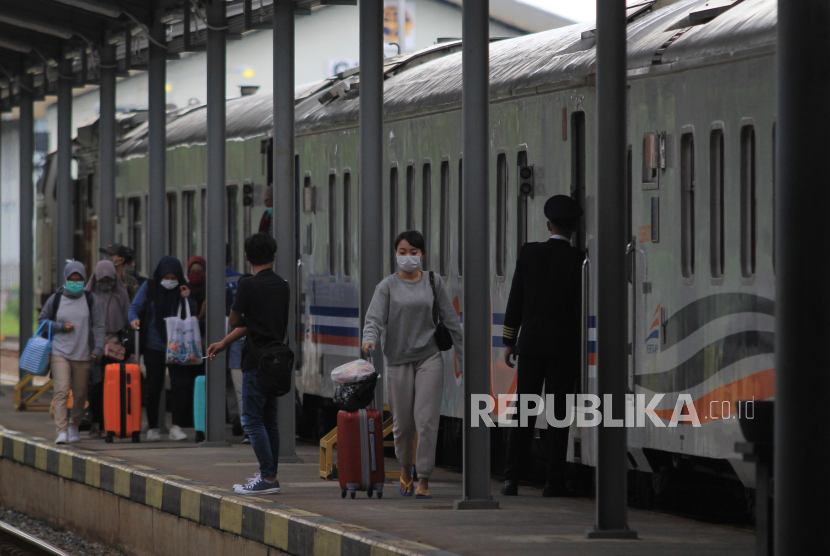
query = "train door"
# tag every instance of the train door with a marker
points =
(631, 253)
(578, 173)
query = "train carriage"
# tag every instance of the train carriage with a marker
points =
(700, 189)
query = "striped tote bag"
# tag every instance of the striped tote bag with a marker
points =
(35, 358)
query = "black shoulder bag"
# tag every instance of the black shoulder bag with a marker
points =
(276, 364)
(442, 335)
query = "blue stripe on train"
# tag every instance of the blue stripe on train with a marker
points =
(498, 318)
(347, 312)
(348, 332)
(592, 346)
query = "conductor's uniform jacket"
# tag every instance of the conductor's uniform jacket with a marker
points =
(543, 322)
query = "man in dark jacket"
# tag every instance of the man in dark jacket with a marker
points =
(542, 327)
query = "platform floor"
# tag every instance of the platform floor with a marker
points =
(526, 524)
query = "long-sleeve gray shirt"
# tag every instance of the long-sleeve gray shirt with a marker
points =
(87, 335)
(401, 313)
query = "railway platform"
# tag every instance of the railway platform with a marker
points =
(175, 498)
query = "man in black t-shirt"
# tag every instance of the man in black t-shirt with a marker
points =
(260, 314)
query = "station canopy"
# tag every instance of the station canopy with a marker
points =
(35, 35)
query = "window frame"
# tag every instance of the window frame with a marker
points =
(394, 212)
(749, 201)
(426, 212)
(687, 204)
(502, 177)
(444, 227)
(347, 222)
(332, 222)
(717, 202)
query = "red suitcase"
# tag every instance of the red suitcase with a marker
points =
(360, 452)
(122, 401)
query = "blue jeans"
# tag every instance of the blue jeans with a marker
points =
(259, 419)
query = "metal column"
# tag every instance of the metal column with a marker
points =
(612, 370)
(475, 116)
(401, 26)
(284, 198)
(802, 252)
(157, 138)
(371, 163)
(64, 182)
(106, 146)
(215, 252)
(27, 211)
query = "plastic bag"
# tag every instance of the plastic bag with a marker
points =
(353, 371)
(184, 343)
(356, 395)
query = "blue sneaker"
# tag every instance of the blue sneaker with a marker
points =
(258, 485)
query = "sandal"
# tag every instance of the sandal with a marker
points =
(405, 485)
(422, 494)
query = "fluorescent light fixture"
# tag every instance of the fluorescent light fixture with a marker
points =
(35, 25)
(15, 45)
(94, 6)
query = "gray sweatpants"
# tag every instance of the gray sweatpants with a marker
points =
(415, 391)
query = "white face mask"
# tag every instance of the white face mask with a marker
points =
(409, 263)
(169, 284)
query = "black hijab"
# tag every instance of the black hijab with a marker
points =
(166, 303)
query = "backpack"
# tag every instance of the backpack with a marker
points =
(57, 303)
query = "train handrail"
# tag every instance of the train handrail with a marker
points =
(586, 292)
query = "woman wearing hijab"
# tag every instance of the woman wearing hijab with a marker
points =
(268, 215)
(78, 339)
(161, 297)
(196, 267)
(115, 307)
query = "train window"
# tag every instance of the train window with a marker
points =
(650, 157)
(188, 224)
(716, 204)
(687, 204)
(521, 212)
(347, 224)
(578, 165)
(134, 233)
(170, 207)
(332, 208)
(426, 213)
(232, 228)
(460, 217)
(748, 202)
(410, 197)
(501, 214)
(444, 232)
(393, 212)
(309, 238)
(90, 190)
(203, 221)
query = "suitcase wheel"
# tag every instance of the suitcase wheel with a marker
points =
(334, 471)
(370, 492)
(352, 493)
(342, 493)
(108, 439)
(137, 437)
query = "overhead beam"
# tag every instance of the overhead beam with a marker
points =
(36, 25)
(94, 6)
(15, 46)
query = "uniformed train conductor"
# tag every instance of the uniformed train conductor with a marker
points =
(542, 327)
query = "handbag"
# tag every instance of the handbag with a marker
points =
(184, 343)
(356, 395)
(35, 358)
(274, 371)
(442, 335)
(114, 351)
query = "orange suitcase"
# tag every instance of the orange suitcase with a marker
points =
(122, 401)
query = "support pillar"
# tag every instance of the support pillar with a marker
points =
(64, 181)
(215, 252)
(475, 115)
(106, 147)
(802, 249)
(284, 221)
(157, 139)
(27, 211)
(612, 342)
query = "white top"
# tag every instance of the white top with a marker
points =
(557, 236)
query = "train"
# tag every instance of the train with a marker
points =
(700, 184)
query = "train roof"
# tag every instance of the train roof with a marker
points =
(682, 32)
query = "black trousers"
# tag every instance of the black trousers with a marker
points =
(182, 378)
(559, 378)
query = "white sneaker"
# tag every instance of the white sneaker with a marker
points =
(176, 433)
(61, 439)
(74, 436)
(153, 435)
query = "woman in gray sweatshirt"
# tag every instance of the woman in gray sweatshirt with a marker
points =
(400, 315)
(78, 339)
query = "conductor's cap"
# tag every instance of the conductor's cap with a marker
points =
(562, 207)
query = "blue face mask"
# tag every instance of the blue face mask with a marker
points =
(74, 287)
(270, 211)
